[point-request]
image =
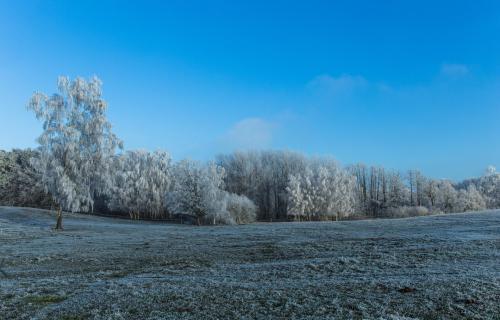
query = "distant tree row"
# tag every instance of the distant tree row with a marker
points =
(79, 166)
(149, 185)
(244, 186)
(382, 193)
(286, 184)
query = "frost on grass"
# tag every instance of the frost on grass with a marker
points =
(435, 267)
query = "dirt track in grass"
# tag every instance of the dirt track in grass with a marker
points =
(439, 267)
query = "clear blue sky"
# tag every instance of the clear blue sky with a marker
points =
(397, 83)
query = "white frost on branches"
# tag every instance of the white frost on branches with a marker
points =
(197, 191)
(76, 143)
(241, 209)
(470, 200)
(140, 181)
(323, 190)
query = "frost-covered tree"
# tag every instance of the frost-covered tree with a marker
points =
(141, 180)
(197, 192)
(263, 177)
(323, 190)
(446, 199)
(488, 185)
(4, 167)
(416, 182)
(296, 194)
(240, 208)
(19, 181)
(76, 144)
(7, 167)
(304, 195)
(398, 194)
(470, 200)
(309, 193)
(344, 201)
(431, 192)
(377, 190)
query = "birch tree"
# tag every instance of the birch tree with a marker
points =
(76, 144)
(297, 203)
(323, 190)
(197, 192)
(141, 180)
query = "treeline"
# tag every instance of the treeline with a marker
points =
(244, 186)
(383, 193)
(80, 166)
(289, 185)
(286, 184)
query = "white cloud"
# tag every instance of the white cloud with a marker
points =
(250, 133)
(344, 83)
(454, 70)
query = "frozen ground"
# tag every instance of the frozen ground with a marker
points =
(441, 267)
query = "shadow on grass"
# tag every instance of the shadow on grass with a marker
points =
(45, 299)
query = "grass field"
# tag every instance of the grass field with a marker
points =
(436, 267)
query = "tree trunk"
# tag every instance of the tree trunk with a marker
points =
(59, 225)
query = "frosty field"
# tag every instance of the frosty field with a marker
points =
(438, 267)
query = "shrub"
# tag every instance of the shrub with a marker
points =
(240, 208)
(404, 212)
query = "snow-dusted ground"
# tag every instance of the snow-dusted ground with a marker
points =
(440, 267)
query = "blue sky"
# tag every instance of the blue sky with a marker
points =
(396, 83)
